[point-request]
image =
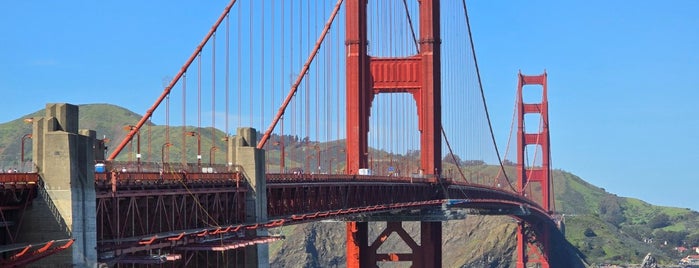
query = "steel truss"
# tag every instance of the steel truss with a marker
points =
(141, 212)
(290, 194)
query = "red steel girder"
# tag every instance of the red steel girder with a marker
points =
(19, 178)
(395, 75)
(296, 197)
(30, 253)
(148, 207)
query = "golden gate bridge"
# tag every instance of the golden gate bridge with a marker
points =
(359, 84)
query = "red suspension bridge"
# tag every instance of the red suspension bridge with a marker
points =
(373, 121)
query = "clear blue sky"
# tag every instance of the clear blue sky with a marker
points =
(623, 76)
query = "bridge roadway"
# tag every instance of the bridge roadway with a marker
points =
(176, 211)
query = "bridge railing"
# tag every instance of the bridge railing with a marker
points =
(118, 178)
(306, 177)
(19, 178)
(130, 166)
(52, 207)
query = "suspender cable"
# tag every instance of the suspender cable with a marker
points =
(169, 87)
(273, 56)
(250, 57)
(212, 156)
(199, 100)
(480, 86)
(294, 87)
(316, 94)
(167, 125)
(307, 92)
(228, 18)
(227, 85)
(184, 119)
(240, 78)
(412, 29)
(150, 155)
(262, 64)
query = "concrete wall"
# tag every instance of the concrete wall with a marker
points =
(65, 158)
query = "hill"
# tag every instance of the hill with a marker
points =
(603, 227)
(108, 120)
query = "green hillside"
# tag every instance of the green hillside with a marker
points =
(605, 228)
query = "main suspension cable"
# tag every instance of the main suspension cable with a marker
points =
(480, 85)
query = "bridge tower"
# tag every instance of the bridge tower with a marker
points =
(540, 174)
(418, 75)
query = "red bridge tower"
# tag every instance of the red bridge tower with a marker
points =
(533, 174)
(418, 75)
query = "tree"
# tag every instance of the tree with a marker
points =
(610, 210)
(639, 232)
(589, 232)
(474, 163)
(413, 154)
(449, 159)
(659, 221)
(692, 240)
(673, 238)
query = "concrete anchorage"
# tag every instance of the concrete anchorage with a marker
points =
(249, 160)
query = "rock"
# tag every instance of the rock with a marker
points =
(649, 262)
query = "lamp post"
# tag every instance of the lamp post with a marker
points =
(192, 134)
(308, 163)
(162, 153)
(24, 138)
(229, 163)
(138, 145)
(330, 167)
(281, 154)
(318, 156)
(211, 154)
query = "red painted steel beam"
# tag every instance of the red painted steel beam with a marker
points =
(532, 108)
(357, 85)
(394, 75)
(19, 178)
(430, 253)
(357, 234)
(430, 117)
(27, 256)
(358, 104)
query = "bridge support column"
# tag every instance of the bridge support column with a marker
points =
(358, 245)
(362, 252)
(251, 162)
(64, 157)
(535, 172)
(430, 245)
(368, 76)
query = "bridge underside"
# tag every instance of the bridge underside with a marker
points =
(361, 199)
(152, 218)
(17, 191)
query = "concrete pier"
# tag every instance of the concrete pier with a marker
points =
(64, 157)
(251, 161)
